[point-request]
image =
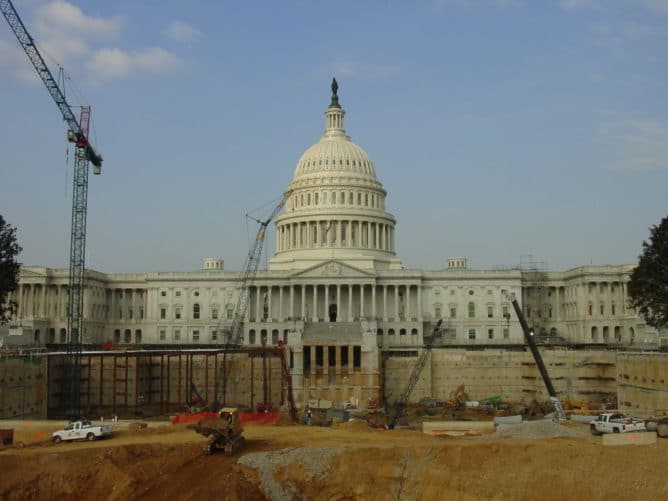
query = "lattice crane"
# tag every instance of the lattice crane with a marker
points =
(85, 153)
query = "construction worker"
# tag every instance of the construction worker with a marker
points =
(309, 416)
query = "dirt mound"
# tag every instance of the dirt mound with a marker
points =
(342, 462)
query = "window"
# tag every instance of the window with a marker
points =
(229, 313)
(195, 336)
(490, 311)
(163, 313)
(549, 312)
(178, 293)
(177, 334)
(590, 309)
(162, 334)
(402, 332)
(472, 334)
(163, 293)
(490, 333)
(453, 311)
(214, 335)
(506, 313)
(390, 332)
(506, 333)
(214, 312)
(177, 312)
(196, 311)
(613, 308)
(437, 312)
(602, 309)
(196, 293)
(471, 309)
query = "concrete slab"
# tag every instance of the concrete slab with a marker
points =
(458, 427)
(635, 438)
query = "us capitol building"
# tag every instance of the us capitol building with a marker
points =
(334, 288)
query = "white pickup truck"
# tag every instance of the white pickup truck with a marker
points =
(80, 430)
(615, 422)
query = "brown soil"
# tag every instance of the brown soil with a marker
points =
(166, 462)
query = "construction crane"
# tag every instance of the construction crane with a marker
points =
(234, 335)
(85, 153)
(400, 403)
(529, 337)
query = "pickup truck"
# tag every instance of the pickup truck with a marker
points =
(615, 422)
(81, 430)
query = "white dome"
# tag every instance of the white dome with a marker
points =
(336, 206)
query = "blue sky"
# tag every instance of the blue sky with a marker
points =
(499, 128)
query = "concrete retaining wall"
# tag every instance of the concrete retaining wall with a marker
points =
(642, 383)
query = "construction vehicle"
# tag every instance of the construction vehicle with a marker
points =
(458, 397)
(223, 432)
(529, 337)
(85, 153)
(400, 403)
(287, 381)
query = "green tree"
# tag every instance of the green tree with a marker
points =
(648, 287)
(9, 269)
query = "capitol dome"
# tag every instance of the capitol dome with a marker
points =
(335, 209)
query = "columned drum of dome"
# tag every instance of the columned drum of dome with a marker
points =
(336, 210)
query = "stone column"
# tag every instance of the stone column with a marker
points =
(385, 315)
(44, 312)
(325, 363)
(280, 303)
(315, 302)
(326, 302)
(418, 291)
(361, 301)
(339, 312)
(350, 303)
(112, 317)
(407, 301)
(396, 302)
(258, 293)
(270, 313)
(373, 301)
(313, 348)
(303, 309)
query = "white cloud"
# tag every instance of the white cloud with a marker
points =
(636, 143)
(183, 32)
(59, 17)
(116, 63)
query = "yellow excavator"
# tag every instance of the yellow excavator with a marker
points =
(223, 432)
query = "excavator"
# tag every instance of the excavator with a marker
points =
(223, 432)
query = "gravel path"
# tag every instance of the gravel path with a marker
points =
(316, 463)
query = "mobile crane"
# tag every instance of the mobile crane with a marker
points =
(528, 336)
(400, 403)
(85, 153)
(234, 335)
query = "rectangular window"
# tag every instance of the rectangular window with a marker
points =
(472, 334)
(214, 313)
(490, 311)
(141, 313)
(178, 293)
(437, 312)
(613, 309)
(163, 313)
(229, 314)
(506, 333)
(163, 334)
(602, 309)
(163, 293)
(590, 310)
(214, 335)
(549, 312)
(490, 333)
(130, 313)
(506, 313)
(177, 334)
(177, 313)
(453, 312)
(195, 336)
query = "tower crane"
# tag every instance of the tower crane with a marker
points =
(85, 153)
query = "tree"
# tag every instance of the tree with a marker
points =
(9, 269)
(648, 287)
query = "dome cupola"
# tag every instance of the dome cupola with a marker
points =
(336, 207)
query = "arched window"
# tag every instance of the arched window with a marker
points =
(390, 332)
(251, 336)
(402, 332)
(316, 198)
(471, 309)
(414, 332)
(196, 311)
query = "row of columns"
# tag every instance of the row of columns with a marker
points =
(405, 304)
(337, 233)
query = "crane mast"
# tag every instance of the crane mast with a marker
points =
(78, 134)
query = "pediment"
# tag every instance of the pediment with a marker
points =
(332, 269)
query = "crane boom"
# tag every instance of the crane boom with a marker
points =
(400, 403)
(85, 153)
(28, 44)
(528, 336)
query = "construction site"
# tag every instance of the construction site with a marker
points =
(336, 373)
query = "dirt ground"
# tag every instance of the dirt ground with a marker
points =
(348, 461)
